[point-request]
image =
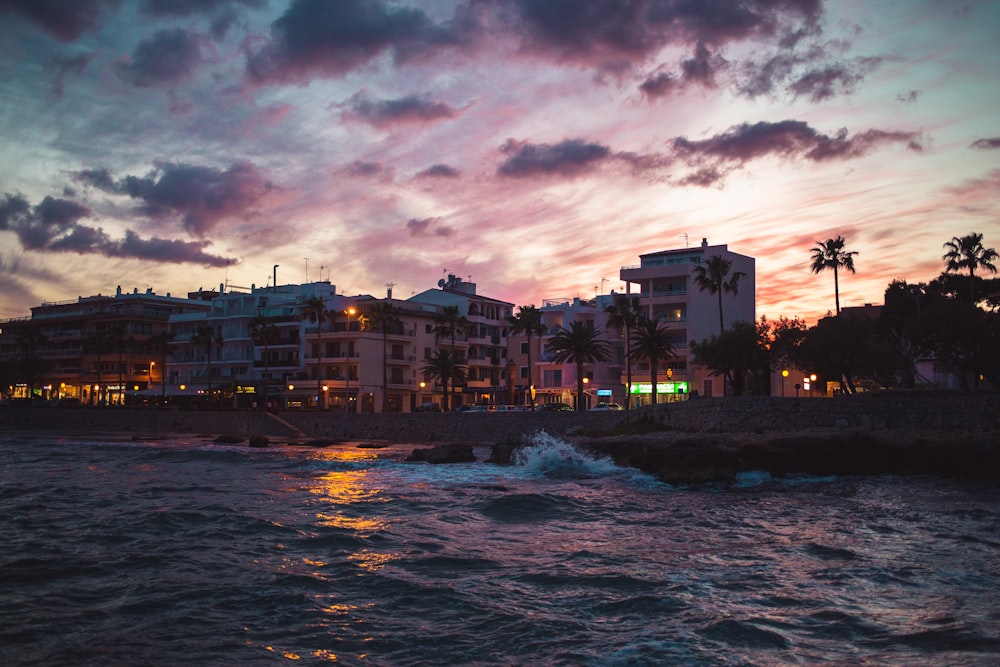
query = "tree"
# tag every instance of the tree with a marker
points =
(443, 368)
(527, 321)
(160, 344)
(967, 253)
(206, 337)
(383, 317)
(830, 254)
(714, 277)
(579, 344)
(654, 343)
(734, 354)
(29, 339)
(119, 341)
(314, 310)
(264, 332)
(624, 313)
(448, 324)
(99, 344)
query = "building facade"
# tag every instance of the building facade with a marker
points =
(665, 284)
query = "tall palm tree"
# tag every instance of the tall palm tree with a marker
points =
(654, 343)
(830, 254)
(968, 252)
(99, 344)
(383, 317)
(204, 336)
(579, 344)
(119, 341)
(714, 277)
(442, 367)
(527, 321)
(264, 332)
(314, 310)
(29, 339)
(448, 324)
(625, 313)
(160, 344)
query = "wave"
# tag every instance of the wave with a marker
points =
(553, 457)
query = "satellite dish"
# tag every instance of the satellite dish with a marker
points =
(441, 283)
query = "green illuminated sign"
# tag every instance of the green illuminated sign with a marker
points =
(661, 388)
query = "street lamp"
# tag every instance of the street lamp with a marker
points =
(347, 386)
(784, 376)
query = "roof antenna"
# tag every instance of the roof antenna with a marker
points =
(685, 239)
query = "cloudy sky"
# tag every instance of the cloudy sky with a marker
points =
(534, 146)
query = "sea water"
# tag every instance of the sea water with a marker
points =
(182, 552)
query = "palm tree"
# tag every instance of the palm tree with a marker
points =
(119, 342)
(527, 321)
(29, 339)
(714, 277)
(98, 344)
(831, 255)
(654, 343)
(449, 323)
(578, 344)
(967, 252)
(315, 310)
(383, 317)
(624, 313)
(442, 367)
(204, 336)
(264, 332)
(160, 344)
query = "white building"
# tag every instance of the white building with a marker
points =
(664, 283)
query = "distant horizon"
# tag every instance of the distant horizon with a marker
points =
(532, 148)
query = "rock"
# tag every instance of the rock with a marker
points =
(259, 441)
(443, 454)
(228, 439)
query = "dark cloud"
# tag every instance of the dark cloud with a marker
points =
(613, 29)
(201, 196)
(54, 226)
(439, 171)
(321, 38)
(661, 84)
(364, 169)
(700, 69)
(825, 82)
(188, 7)
(98, 178)
(409, 109)
(909, 97)
(66, 20)
(428, 226)
(167, 57)
(992, 142)
(788, 139)
(567, 158)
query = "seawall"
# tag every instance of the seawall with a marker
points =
(953, 414)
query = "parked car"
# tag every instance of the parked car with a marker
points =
(428, 407)
(479, 409)
(554, 407)
(600, 407)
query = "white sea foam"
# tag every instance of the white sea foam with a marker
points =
(554, 457)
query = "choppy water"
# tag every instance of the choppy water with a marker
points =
(182, 552)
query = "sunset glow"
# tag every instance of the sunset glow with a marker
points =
(532, 146)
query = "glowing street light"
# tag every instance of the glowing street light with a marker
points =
(347, 386)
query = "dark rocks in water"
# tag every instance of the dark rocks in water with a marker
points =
(259, 441)
(502, 453)
(319, 443)
(228, 439)
(719, 458)
(372, 445)
(443, 454)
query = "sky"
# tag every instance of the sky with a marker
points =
(533, 147)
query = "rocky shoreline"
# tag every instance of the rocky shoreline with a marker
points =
(697, 442)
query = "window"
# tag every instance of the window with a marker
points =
(524, 347)
(552, 378)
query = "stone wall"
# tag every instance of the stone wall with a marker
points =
(961, 413)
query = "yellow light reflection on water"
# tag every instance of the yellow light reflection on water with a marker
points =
(371, 560)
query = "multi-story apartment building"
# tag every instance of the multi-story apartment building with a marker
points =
(482, 348)
(95, 350)
(664, 283)
(557, 383)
